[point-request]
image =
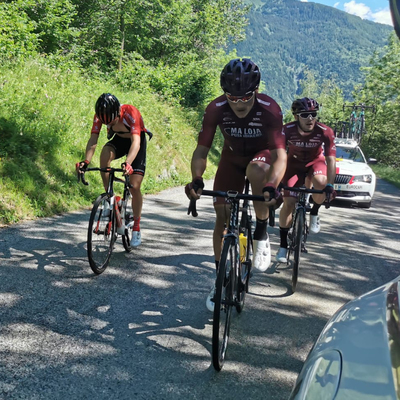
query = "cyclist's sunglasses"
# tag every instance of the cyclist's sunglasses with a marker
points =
(235, 99)
(306, 115)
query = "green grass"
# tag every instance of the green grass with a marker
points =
(45, 122)
(389, 174)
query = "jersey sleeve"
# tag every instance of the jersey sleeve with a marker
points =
(208, 127)
(96, 127)
(329, 143)
(277, 136)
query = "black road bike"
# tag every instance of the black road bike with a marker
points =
(299, 229)
(109, 219)
(235, 266)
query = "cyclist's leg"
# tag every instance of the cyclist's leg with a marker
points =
(285, 214)
(136, 179)
(256, 172)
(318, 174)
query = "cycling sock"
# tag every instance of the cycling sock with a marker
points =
(284, 234)
(260, 232)
(136, 224)
(315, 208)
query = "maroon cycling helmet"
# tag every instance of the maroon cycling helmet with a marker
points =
(107, 108)
(240, 77)
(304, 104)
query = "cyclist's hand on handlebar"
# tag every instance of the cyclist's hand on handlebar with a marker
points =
(330, 192)
(270, 194)
(193, 189)
(81, 166)
(128, 170)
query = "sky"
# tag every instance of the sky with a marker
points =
(373, 10)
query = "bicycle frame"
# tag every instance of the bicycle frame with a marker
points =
(298, 230)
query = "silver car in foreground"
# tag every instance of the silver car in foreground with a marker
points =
(357, 355)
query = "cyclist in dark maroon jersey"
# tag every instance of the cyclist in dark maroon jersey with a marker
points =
(307, 141)
(127, 134)
(254, 146)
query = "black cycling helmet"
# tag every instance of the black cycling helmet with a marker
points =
(304, 104)
(107, 108)
(240, 77)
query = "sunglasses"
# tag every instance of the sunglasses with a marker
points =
(235, 99)
(305, 115)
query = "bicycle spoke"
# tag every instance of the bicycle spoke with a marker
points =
(101, 235)
(223, 303)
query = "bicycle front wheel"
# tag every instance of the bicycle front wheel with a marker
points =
(298, 232)
(224, 301)
(101, 234)
(245, 265)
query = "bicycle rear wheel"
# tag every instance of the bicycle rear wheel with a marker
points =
(298, 232)
(127, 236)
(101, 234)
(224, 301)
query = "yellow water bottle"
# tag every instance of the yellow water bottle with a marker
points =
(243, 247)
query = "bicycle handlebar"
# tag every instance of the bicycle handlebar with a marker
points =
(231, 195)
(302, 189)
(81, 175)
(359, 106)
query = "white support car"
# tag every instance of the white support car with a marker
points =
(355, 181)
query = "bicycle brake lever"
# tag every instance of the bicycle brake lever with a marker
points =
(192, 208)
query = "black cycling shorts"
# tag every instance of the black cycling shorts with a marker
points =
(121, 148)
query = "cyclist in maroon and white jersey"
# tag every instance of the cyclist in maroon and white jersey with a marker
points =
(127, 134)
(311, 158)
(254, 146)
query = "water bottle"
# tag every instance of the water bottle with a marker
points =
(242, 247)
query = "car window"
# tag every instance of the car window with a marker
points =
(350, 154)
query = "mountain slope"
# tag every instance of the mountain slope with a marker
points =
(286, 37)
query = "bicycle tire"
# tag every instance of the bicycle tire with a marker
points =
(101, 235)
(298, 233)
(244, 269)
(127, 236)
(223, 302)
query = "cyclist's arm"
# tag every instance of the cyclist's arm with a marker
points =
(134, 149)
(91, 146)
(199, 161)
(331, 169)
(278, 167)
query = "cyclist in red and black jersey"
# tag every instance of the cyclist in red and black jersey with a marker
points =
(311, 158)
(254, 146)
(127, 134)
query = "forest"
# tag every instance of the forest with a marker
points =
(164, 57)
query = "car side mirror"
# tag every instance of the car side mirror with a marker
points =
(372, 161)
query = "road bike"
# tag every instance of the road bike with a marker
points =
(357, 121)
(299, 229)
(109, 219)
(235, 266)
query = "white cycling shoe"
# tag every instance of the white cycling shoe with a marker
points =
(136, 238)
(315, 226)
(210, 299)
(262, 254)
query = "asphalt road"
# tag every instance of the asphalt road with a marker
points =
(141, 329)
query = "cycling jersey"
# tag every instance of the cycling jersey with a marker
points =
(260, 129)
(306, 154)
(306, 149)
(246, 140)
(130, 117)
